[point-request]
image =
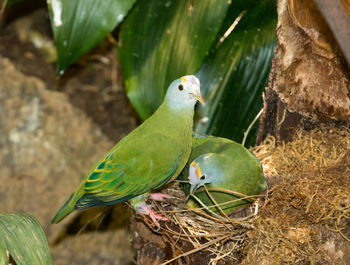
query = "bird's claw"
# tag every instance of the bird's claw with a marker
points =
(155, 217)
(145, 209)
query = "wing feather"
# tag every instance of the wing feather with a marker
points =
(130, 170)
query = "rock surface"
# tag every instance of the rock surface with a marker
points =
(107, 248)
(46, 147)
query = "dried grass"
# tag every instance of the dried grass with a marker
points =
(310, 180)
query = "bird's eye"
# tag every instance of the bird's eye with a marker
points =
(202, 177)
(181, 87)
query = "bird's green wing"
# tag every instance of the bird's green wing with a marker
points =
(134, 168)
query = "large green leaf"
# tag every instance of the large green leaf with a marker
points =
(4, 259)
(174, 40)
(234, 75)
(22, 236)
(163, 40)
(78, 25)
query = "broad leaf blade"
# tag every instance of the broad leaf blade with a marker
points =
(163, 40)
(78, 25)
(25, 240)
(4, 259)
(235, 73)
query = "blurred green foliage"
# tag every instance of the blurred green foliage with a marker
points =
(228, 44)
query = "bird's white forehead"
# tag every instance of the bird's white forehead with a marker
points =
(191, 79)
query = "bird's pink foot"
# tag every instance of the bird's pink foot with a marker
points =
(145, 209)
(159, 196)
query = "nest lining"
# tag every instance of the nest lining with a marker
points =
(222, 237)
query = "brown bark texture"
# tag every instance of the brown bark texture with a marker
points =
(312, 76)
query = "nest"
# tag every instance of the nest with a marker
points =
(197, 231)
(305, 217)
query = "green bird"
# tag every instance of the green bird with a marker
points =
(144, 160)
(222, 164)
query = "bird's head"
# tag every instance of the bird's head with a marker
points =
(184, 92)
(204, 169)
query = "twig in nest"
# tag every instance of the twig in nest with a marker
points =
(251, 125)
(235, 193)
(219, 257)
(196, 249)
(181, 181)
(207, 207)
(184, 231)
(214, 216)
(215, 203)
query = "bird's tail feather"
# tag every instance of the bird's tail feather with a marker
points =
(67, 208)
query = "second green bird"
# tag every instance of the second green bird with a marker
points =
(224, 166)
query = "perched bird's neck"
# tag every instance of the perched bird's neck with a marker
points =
(184, 106)
(177, 122)
(185, 111)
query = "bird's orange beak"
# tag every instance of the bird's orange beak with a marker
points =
(201, 99)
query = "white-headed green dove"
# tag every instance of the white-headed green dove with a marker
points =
(145, 159)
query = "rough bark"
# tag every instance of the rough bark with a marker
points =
(309, 82)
